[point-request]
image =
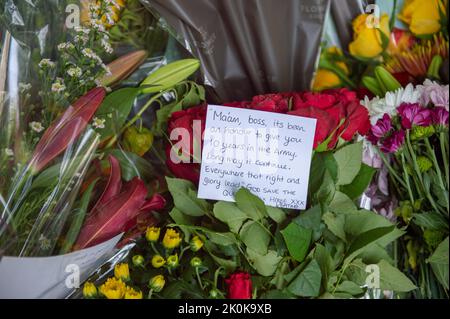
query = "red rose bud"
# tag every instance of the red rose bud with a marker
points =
(66, 128)
(239, 286)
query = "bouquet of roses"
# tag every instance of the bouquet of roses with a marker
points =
(412, 140)
(249, 250)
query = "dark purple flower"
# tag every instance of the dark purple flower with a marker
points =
(414, 114)
(393, 142)
(439, 116)
(381, 129)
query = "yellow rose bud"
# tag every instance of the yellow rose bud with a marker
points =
(121, 271)
(196, 244)
(157, 283)
(328, 79)
(152, 234)
(172, 261)
(196, 262)
(113, 288)
(422, 16)
(172, 239)
(130, 293)
(158, 261)
(367, 39)
(138, 260)
(89, 290)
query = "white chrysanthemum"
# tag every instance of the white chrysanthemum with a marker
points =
(37, 127)
(9, 152)
(81, 39)
(378, 107)
(74, 72)
(58, 87)
(98, 123)
(65, 46)
(46, 63)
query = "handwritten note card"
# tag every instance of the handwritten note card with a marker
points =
(267, 153)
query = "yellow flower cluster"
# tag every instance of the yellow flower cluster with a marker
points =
(115, 9)
(423, 16)
(114, 288)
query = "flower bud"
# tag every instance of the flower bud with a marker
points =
(172, 261)
(196, 244)
(424, 164)
(138, 260)
(152, 234)
(89, 290)
(157, 283)
(122, 271)
(158, 261)
(196, 262)
(172, 239)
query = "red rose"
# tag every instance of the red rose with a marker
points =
(184, 166)
(239, 286)
(270, 103)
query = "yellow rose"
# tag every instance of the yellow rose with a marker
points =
(115, 16)
(196, 244)
(367, 40)
(122, 271)
(423, 16)
(152, 234)
(327, 79)
(172, 239)
(157, 283)
(158, 261)
(130, 293)
(89, 290)
(113, 288)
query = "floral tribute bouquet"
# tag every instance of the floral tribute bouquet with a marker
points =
(243, 250)
(72, 167)
(410, 135)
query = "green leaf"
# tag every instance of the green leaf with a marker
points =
(78, 219)
(185, 197)
(431, 220)
(265, 264)
(297, 240)
(277, 214)
(255, 237)
(365, 239)
(349, 160)
(323, 258)
(250, 204)
(360, 183)
(181, 219)
(230, 214)
(228, 264)
(335, 224)
(358, 222)
(308, 282)
(132, 165)
(342, 204)
(222, 239)
(327, 190)
(350, 287)
(169, 75)
(163, 115)
(114, 110)
(393, 279)
(439, 263)
(311, 219)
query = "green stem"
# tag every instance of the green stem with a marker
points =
(442, 140)
(199, 279)
(152, 244)
(390, 169)
(438, 170)
(405, 174)
(150, 294)
(182, 252)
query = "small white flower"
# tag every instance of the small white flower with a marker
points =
(74, 72)
(9, 152)
(37, 127)
(65, 46)
(98, 123)
(81, 39)
(58, 87)
(24, 86)
(107, 46)
(46, 63)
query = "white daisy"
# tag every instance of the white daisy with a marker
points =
(58, 87)
(46, 63)
(74, 72)
(98, 123)
(37, 127)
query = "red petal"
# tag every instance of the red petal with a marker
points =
(114, 183)
(111, 219)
